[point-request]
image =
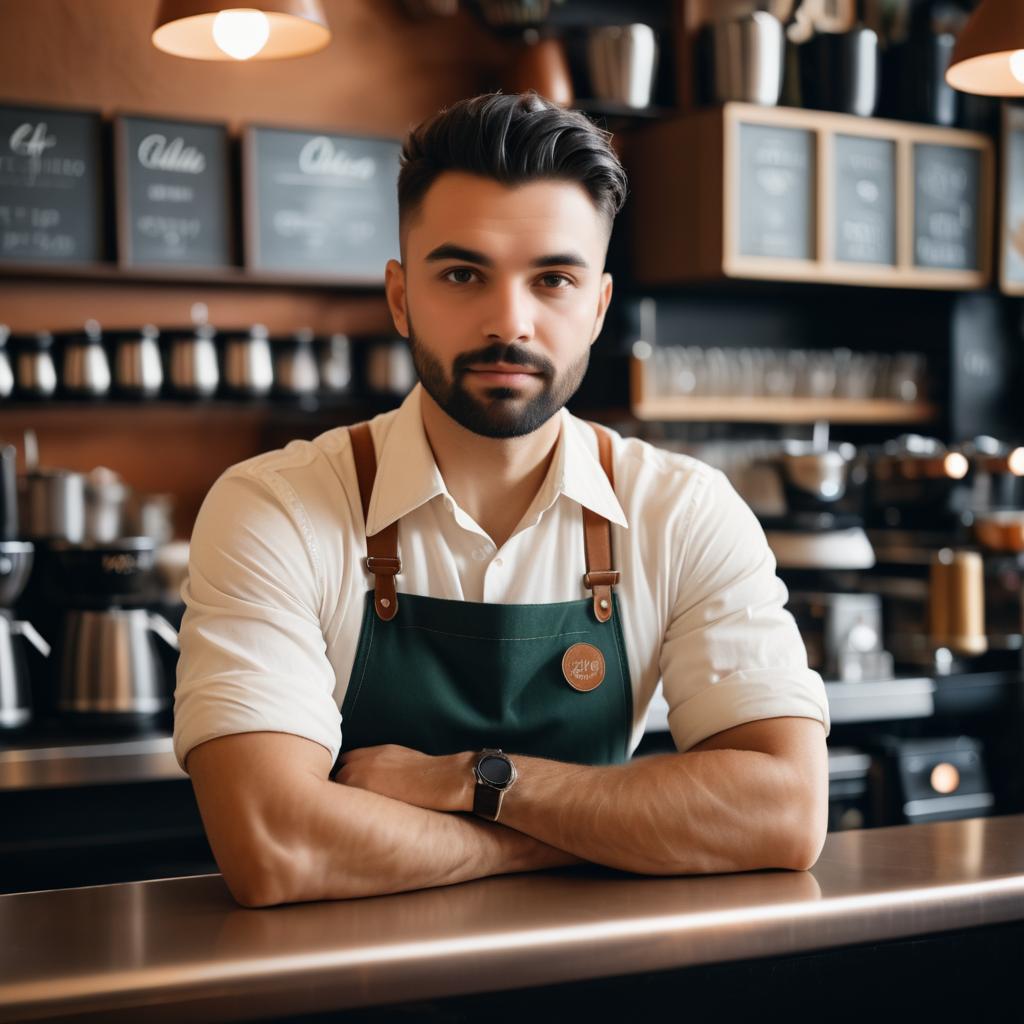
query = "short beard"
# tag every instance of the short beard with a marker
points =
(503, 412)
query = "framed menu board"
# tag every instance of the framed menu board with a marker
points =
(51, 186)
(1011, 269)
(783, 194)
(864, 197)
(320, 205)
(776, 192)
(174, 201)
(947, 197)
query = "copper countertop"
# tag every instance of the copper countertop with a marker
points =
(182, 949)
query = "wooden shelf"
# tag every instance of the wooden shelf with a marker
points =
(743, 409)
(220, 412)
(181, 275)
(764, 409)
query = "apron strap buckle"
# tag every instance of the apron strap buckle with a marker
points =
(601, 583)
(381, 565)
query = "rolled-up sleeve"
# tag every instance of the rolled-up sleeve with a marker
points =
(732, 652)
(253, 656)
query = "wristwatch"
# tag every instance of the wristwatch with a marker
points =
(494, 773)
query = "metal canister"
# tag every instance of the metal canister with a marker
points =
(35, 375)
(138, 367)
(957, 602)
(295, 365)
(6, 373)
(248, 367)
(194, 371)
(335, 363)
(56, 505)
(85, 369)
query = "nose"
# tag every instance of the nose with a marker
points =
(509, 314)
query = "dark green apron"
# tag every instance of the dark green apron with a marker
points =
(443, 676)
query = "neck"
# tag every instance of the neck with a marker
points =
(493, 479)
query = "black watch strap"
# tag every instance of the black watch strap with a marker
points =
(487, 801)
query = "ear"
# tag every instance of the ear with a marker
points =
(604, 300)
(394, 290)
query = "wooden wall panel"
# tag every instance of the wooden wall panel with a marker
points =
(381, 74)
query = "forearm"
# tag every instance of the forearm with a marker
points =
(340, 842)
(693, 813)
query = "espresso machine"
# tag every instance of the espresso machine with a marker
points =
(100, 600)
(949, 570)
(808, 502)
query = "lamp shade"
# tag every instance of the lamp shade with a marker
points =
(212, 30)
(986, 52)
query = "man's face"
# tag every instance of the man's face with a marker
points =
(501, 295)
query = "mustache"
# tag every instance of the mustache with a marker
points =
(514, 355)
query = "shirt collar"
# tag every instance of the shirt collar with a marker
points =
(408, 477)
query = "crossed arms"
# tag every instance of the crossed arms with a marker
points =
(393, 819)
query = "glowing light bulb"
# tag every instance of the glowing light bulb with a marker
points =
(242, 32)
(1017, 65)
(956, 465)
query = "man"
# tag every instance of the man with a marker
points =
(481, 571)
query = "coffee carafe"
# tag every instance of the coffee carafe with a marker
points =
(110, 673)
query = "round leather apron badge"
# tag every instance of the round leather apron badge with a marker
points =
(583, 667)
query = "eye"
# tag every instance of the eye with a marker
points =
(556, 281)
(465, 275)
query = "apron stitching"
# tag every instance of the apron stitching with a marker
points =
(466, 636)
(624, 674)
(366, 661)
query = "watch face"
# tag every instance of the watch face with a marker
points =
(495, 770)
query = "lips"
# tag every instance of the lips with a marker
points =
(505, 368)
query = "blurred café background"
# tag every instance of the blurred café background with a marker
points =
(817, 290)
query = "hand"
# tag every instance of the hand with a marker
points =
(441, 783)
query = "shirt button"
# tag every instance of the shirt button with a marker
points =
(497, 561)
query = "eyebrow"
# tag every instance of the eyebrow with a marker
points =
(450, 251)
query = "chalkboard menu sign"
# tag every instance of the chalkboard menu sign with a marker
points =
(947, 198)
(51, 186)
(320, 205)
(174, 197)
(776, 185)
(1013, 199)
(865, 200)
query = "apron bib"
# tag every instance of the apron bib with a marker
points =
(443, 676)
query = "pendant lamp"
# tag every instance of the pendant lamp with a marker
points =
(988, 58)
(212, 30)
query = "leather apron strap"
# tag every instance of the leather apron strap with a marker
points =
(382, 548)
(600, 577)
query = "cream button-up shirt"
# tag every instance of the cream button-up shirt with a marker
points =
(274, 594)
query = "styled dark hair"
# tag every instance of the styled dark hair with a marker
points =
(514, 139)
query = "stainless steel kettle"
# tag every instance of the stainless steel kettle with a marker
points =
(109, 662)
